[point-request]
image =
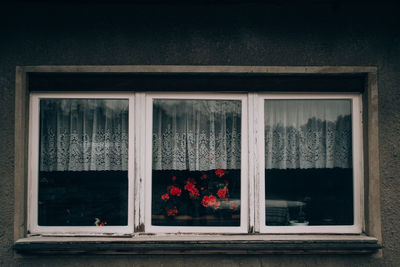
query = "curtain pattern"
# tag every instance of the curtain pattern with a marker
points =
(92, 134)
(196, 134)
(83, 134)
(308, 134)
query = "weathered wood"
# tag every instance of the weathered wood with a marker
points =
(140, 140)
(252, 169)
(215, 244)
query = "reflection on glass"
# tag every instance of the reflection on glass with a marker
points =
(308, 162)
(196, 162)
(83, 162)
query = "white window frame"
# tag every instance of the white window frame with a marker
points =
(243, 228)
(357, 155)
(252, 218)
(33, 163)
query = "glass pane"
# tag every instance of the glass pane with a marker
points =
(308, 162)
(83, 162)
(196, 162)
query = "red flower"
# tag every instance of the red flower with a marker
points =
(205, 201)
(209, 201)
(175, 191)
(194, 193)
(172, 212)
(173, 178)
(102, 223)
(203, 176)
(212, 200)
(222, 193)
(233, 206)
(217, 204)
(220, 172)
(165, 197)
(189, 186)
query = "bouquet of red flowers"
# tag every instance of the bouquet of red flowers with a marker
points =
(206, 193)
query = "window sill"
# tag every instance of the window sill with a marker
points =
(201, 244)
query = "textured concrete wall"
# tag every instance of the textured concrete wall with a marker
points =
(233, 34)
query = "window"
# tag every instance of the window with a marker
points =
(196, 162)
(144, 163)
(81, 172)
(311, 155)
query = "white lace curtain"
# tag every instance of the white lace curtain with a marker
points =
(83, 134)
(196, 134)
(308, 134)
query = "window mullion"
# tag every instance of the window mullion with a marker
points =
(140, 160)
(252, 170)
(131, 161)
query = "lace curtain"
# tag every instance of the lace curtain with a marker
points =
(196, 134)
(308, 134)
(83, 134)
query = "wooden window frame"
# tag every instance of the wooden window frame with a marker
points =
(244, 222)
(366, 242)
(357, 160)
(33, 162)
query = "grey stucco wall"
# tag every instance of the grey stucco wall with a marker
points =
(210, 34)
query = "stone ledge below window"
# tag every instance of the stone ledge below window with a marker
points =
(200, 244)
